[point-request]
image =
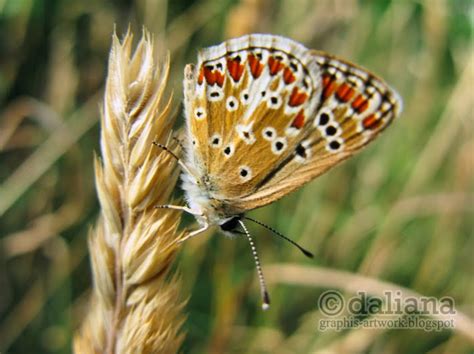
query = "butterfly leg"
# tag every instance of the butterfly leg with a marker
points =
(194, 233)
(179, 207)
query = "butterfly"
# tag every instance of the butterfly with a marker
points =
(265, 115)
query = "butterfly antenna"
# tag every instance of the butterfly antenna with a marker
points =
(275, 232)
(180, 162)
(179, 142)
(263, 287)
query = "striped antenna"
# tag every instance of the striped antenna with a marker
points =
(275, 232)
(263, 287)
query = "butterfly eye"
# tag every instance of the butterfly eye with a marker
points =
(279, 145)
(269, 133)
(245, 173)
(232, 104)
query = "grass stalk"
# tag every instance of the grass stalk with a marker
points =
(136, 303)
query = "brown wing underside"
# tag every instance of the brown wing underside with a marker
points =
(262, 122)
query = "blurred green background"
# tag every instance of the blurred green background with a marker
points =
(401, 211)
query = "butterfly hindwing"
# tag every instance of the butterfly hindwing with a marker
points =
(355, 106)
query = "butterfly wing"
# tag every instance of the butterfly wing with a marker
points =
(246, 102)
(304, 112)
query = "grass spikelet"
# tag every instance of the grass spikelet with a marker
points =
(136, 305)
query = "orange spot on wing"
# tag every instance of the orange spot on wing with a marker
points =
(360, 104)
(371, 122)
(329, 86)
(256, 67)
(213, 77)
(210, 76)
(235, 69)
(345, 92)
(219, 78)
(298, 122)
(201, 76)
(297, 98)
(288, 76)
(275, 65)
(326, 80)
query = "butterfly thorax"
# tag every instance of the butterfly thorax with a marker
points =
(202, 200)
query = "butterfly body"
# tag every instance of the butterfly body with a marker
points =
(208, 208)
(266, 115)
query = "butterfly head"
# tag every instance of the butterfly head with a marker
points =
(231, 226)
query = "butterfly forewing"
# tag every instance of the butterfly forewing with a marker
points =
(266, 115)
(253, 96)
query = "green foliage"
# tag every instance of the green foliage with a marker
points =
(401, 211)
